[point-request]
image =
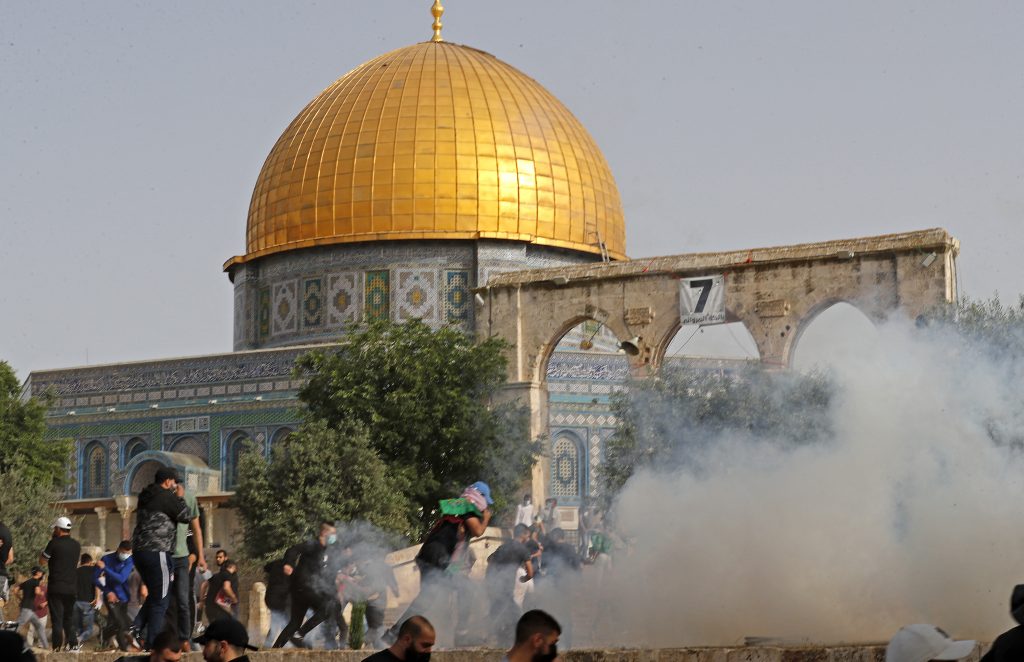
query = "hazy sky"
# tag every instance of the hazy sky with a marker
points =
(132, 134)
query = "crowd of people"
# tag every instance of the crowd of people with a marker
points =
(151, 594)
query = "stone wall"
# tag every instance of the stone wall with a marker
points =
(823, 653)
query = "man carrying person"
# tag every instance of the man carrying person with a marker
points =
(536, 638)
(446, 547)
(309, 566)
(30, 589)
(415, 641)
(184, 607)
(111, 576)
(221, 594)
(160, 511)
(87, 599)
(502, 570)
(62, 554)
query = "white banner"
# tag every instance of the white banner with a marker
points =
(702, 300)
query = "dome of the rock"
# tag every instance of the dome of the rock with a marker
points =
(435, 141)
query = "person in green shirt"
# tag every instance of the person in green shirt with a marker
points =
(183, 591)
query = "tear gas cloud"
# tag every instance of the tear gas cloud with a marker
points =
(909, 513)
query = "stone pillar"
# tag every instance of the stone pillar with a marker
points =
(208, 510)
(259, 615)
(535, 396)
(125, 506)
(101, 515)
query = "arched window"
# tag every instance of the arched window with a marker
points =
(94, 470)
(132, 449)
(280, 435)
(566, 462)
(190, 446)
(235, 447)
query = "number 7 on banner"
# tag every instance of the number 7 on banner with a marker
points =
(702, 300)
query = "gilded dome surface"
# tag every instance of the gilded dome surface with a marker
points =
(435, 141)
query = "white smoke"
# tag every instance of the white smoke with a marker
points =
(910, 514)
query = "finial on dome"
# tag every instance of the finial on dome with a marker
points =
(437, 10)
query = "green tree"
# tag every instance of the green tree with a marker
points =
(22, 435)
(27, 507)
(426, 399)
(318, 473)
(663, 419)
(32, 470)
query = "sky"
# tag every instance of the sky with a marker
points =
(133, 132)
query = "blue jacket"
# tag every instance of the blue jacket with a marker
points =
(115, 574)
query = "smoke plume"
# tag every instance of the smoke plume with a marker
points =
(911, 512)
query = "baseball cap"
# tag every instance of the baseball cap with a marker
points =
(920, 643)
(163, 473)
(484, 489)
(62, 523)
(226, 629)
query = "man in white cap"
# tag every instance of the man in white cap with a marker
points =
(923, 643)
(62, 554)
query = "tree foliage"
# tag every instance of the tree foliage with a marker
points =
(426, 400)
(22, 435)
(317, 473)
(27, 507)
(662, 420)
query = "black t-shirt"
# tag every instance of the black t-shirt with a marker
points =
(86, 590)
(28, 593)
(382, 656)
(63, 554)
(5, 547)
(502, 564)
(440, 543)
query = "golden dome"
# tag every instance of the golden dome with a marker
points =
(434, 141)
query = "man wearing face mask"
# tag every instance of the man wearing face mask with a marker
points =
(415, 641)
(536, 638)
(111, 578)
(309, 564)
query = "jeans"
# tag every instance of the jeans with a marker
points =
(29, 616)
(117, 623)
(85, 620)
(155, 569)
(62, 619)
(184, 608)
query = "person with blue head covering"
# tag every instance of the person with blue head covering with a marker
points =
(445, 549)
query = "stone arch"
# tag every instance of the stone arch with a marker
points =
(556, 334)
(568, 464)
(853, 314)
(132, 448)
(190, 445)
(735, 330)
(94, 470)
(142, 474)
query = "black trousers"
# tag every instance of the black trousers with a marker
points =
(62, 619)
(117, 622)
(302, 601)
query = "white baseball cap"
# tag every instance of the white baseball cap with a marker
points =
(920, 643)
(62, 523)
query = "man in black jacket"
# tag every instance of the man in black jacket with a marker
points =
(160, 511)
(277, 599)
(309, 565)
